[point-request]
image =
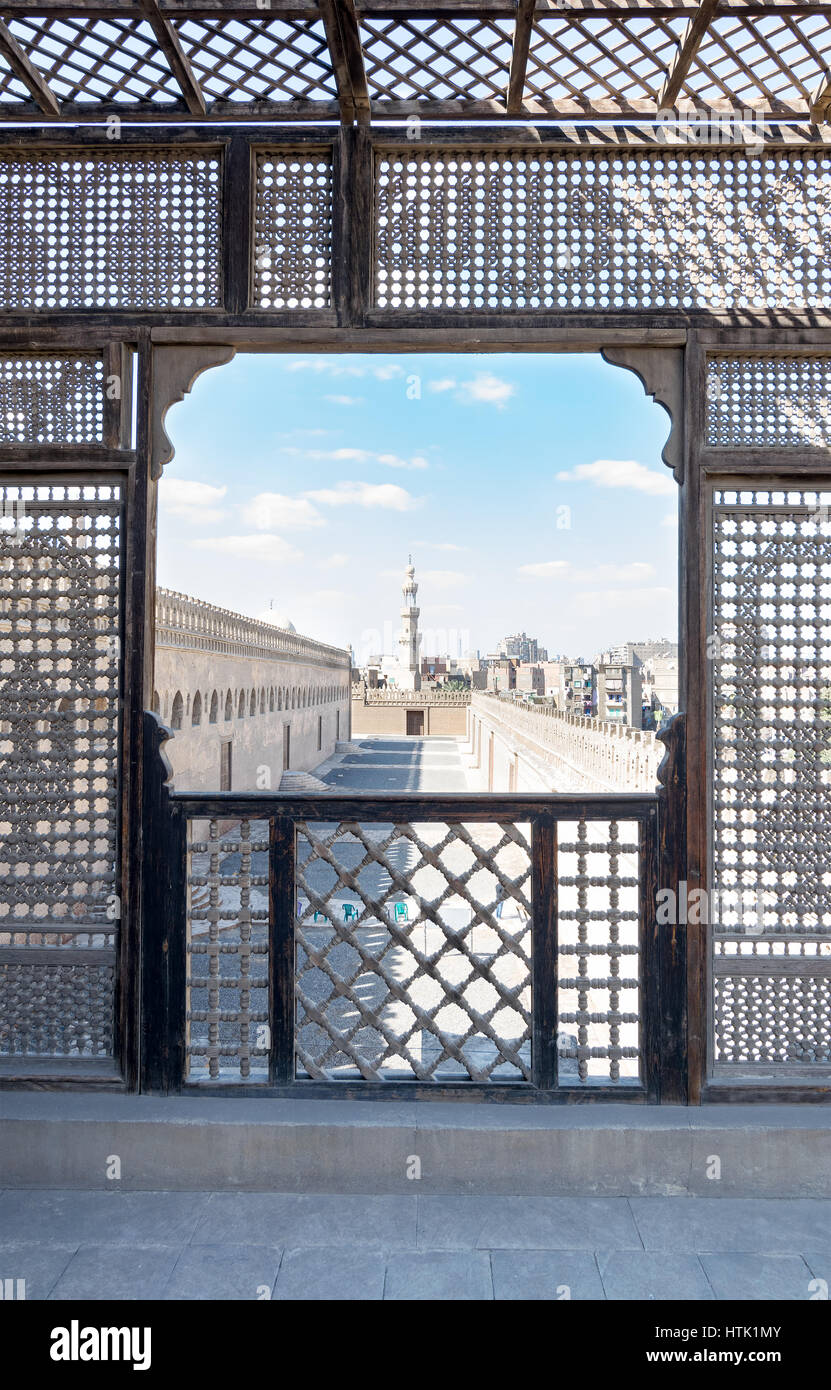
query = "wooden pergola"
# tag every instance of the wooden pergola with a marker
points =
(441, 60)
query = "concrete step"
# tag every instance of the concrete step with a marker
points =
(64, 1140)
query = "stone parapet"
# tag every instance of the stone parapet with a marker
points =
(182, 621)
(612, 756)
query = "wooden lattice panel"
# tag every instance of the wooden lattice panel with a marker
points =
(128, 230)
(592, 59)
(437, 58)
(769, 402)
(293, 230)
(599, 984)
(227, 951)
(413, 952)
(60, 632)
(762, 61)
(56, 1009)
(96, 60)
(57, 399)
(244, 60)
(771, 779)
(525, 229)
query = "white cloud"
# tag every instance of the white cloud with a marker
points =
(393, 461)
(329, 366)
(621, 473)
(359, 456)
(484, 388)
(273, 511)
(326, 365)
(547, 569)
(489, 388)
(194, 501)
(670, 519)
(265, 549)
(386, 495)
(344, 400)
(336, 561)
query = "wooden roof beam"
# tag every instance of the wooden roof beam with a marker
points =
(523, 28)
(821, 101)
(177, 59)
(687, 49)
(344, 39)
(25, 70)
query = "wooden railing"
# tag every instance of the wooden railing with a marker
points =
(409, 945)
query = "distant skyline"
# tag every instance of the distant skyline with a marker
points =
(528, 488)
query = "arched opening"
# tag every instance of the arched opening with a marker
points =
(177, 711)
(543, 581)
(229, 706)
(196, 710)
(213, 715)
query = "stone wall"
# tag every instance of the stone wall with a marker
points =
(222, 678)
(385, 711)
(537, 748)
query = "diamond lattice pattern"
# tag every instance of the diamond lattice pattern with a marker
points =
(413, 951)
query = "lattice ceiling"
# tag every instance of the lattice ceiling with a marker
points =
(600, 60)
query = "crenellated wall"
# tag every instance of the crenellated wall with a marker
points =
(538, 748)
(221, 678)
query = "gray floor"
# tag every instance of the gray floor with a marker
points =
(401, 765)
(185, 1245)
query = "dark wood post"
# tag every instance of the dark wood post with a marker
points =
(352, 227)
(281, 897)
(669, 939)
(164, 922)
(237, 223)
(544, 959)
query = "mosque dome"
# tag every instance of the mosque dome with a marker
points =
(281, 620)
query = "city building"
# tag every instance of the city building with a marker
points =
(578, 688)
(523, 647)
(552, 679)
(620, 693)
(661, 687)
(501, 674)
(530, 678)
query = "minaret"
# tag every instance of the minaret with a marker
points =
(408, 675)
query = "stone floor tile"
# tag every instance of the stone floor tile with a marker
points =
(39, 1266)
(526, 1223)
(534, 1275)
(439, 1275)
(758, 1276)
(100, 1218)
(753, 1225)
(235, 1272)
(335, 1274)
(645, 1275)
(116, 1271)
(289, 1220)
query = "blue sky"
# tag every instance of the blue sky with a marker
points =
(529, 489)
